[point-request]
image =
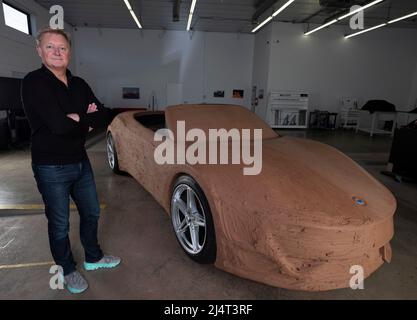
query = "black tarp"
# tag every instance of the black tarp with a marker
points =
(379, 105)
(403, 154)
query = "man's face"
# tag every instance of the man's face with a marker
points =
(54, 51)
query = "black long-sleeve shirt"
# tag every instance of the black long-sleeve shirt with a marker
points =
(57, 139)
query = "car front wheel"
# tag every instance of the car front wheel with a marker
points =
(192, 220)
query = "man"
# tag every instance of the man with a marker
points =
(62, 109)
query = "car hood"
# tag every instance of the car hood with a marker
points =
(303, 182)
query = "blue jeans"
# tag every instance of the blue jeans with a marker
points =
(57, 183)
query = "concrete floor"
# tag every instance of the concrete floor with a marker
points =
(136, 228)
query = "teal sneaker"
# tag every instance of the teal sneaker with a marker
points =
(105, 262)
(75, 282)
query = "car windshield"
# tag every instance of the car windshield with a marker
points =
(153, 121)
(206, 117)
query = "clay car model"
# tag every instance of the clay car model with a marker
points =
(302, 223)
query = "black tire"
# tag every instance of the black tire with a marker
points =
(207, 253)
(114, 165)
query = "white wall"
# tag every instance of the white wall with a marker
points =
(17, 49)
(110, 59)
(229, 64)
(378, 65)
(261, 67)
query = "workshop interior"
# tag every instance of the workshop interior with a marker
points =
(310, 190)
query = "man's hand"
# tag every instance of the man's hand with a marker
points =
(74, 116)
(92, 107)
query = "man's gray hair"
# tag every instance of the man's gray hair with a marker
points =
(55, 31)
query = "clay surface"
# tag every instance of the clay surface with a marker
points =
(296, 225)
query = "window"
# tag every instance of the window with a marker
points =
(16, 18)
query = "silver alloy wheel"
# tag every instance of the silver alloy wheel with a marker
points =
(110, 151)
(188, 219)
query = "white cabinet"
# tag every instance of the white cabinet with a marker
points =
(287, 110)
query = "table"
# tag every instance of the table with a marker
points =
(375, 116)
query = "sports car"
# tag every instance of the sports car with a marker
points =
(306, 221)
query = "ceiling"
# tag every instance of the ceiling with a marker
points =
(221, 15)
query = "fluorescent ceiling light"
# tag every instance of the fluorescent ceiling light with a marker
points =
(344, 16)
(262, 24)
(136, 19)
(366, 30)
(321, 27)
(360, 9)
(382, 25)
(277, 12)
(402, 18)
(193, 6)
(190, 17)
(129, 7)
(282, 8)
